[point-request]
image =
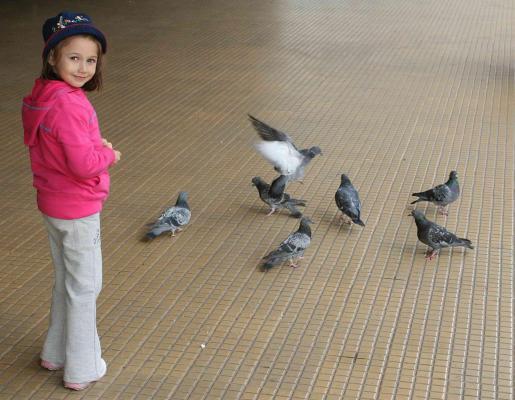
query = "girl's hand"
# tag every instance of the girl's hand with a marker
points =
(106, 143)
(117, 156)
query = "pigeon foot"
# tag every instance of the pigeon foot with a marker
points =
(443, 211)
(344, 219)
(430, 254)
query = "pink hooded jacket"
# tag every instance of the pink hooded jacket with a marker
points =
(68, 159)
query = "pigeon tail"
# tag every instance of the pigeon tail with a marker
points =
(295, 212)
(297, 202)
(150, 235)
(423, 196)
(267, 266)
(358, 222)
(465, 242)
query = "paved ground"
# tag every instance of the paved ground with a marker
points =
(396, 93)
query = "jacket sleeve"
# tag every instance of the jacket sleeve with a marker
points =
(86, 157)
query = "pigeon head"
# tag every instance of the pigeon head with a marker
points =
(453, 175)
(304, 226)
(418, 215)
(182, 200)
(257, 181)
(345, 179)
(306, 220)
(313, 151)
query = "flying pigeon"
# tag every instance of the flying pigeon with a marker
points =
(278, 149)
(441, 195)
(347, 200)
(275, 197)
(436, 236)
(173, 218)
(292, 248)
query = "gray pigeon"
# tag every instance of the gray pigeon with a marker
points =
(292, 248)
(275, 197)
(436, 236)
(441, 195)
(278, 149)
(347, 200)
(172, 219)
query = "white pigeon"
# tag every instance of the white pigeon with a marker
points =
(278, 149)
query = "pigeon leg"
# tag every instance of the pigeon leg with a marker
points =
(443, 210)
(344, 219)
(272, 210)
(430, 254)
(293, 265)
(179, 229)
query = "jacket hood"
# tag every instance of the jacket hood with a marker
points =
(37, 104)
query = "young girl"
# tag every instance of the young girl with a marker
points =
(69, 160)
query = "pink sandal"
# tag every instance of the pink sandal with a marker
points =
(77, 386)
(50, 366)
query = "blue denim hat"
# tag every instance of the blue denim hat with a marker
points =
(67, 24)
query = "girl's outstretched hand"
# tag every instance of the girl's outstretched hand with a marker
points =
(117, 154)
(106, 143)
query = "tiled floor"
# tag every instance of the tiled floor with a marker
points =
(396, 93)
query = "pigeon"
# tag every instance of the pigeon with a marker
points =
(347, 200)
(278, 149)
(292, 248)
(441, 195)
(275, 197)
(172, 219)
(436, 236)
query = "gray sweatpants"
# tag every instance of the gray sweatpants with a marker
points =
(72, 338)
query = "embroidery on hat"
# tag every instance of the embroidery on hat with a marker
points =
(64, 22)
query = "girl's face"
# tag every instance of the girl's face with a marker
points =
(76, 61)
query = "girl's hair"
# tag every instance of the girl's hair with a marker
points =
(48, 71)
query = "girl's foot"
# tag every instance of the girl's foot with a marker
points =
(50, 366)
(84, 385)
(77, 386)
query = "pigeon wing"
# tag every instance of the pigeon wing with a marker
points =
(277, 187)
(348, 199)
(441, 193)
(295, 243)
(438, 236)
(282, 155)
(269, 134)
(178, 216)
